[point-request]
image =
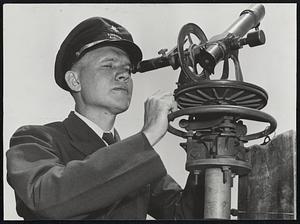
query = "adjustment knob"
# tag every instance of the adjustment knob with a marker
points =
(253, 39)
(256, 38)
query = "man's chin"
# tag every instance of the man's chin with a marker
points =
(120, 109)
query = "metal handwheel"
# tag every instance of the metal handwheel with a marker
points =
(237, 112)
(186, 57)
(221, 92)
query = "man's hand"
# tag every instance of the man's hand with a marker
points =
(157, 108)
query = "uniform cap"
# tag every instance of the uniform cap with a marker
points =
(88, 35)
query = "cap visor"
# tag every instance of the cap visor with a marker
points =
(133, 51)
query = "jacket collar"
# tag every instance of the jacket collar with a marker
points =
(83, 138)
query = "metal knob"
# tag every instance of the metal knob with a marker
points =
(254, 39)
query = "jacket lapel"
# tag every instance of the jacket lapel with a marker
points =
(116, 136)
(82, 137)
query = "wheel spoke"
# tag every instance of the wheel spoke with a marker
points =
(235, 95)
(188, 100)
(225, 93)
(216, 94)
(195, 68)
(245, 97)
(250, 101)
(190, 39)
(195, 97)
(204, 94)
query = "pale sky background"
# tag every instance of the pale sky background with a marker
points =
(34, 32)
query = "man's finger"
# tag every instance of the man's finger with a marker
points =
(174, 106)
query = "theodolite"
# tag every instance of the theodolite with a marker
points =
(214, 110)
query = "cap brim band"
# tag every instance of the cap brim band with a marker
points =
(133, 51)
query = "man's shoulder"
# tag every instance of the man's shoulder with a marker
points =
(50, 129)
(48, 134)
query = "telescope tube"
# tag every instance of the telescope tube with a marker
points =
(249, 18)
(216, 47)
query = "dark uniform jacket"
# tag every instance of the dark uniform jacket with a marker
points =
(63, 170)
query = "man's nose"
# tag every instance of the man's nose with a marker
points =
(123, 76)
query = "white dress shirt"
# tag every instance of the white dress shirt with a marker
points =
(99, 131)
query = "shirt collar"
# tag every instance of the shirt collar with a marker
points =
(99, 131)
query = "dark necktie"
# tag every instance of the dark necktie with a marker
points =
(108, 137)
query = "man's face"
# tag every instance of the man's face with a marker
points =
(105, 79)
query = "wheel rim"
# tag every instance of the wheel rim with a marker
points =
(237, 111)
(221, 92)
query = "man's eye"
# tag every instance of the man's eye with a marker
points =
(129, 71)
(107, 66)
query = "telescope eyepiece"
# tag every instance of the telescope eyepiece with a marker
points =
(256, 38)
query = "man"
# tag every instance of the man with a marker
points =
(79, 168)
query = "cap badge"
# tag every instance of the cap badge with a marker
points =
(115, 29)
(113, 36)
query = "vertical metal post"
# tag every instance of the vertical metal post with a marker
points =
(217, 202)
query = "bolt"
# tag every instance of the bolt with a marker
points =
(162, 52)
(225, 170)
(196, 173)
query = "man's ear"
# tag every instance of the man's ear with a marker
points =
(72, 79)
